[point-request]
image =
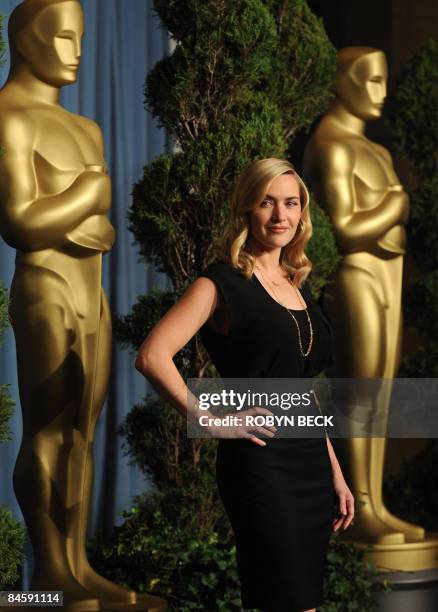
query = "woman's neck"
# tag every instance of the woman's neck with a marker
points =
(268, 261)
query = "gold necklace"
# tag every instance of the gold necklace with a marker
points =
(309, 348)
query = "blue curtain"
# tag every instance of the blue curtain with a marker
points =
(122, 42)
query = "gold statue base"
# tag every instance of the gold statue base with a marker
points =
(409, 556)
(144, 603)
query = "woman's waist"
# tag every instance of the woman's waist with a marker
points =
(276, 444)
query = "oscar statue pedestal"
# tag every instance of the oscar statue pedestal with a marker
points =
(411, 556)
(145, 603)
(412, 571)
(411, 592)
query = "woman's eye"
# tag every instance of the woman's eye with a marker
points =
(288, 204)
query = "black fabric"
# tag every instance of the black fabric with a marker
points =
(263, 340)
(279, 498)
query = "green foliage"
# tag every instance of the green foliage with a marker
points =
(228, 53)
(412, 110)
(11, 549)
(411, 494)
(322, 250)
(422, 233)
(6, 404)
(11, 532)
(423, 364)
(241, 81)
(420, 301)
(156, 440)
(166, 553)
(131, 329)
(181, 205)
(4, 319)
(413, 119)
(223, 54)
(351, 582)
(6, 410)
(164, 556)
(303, 65)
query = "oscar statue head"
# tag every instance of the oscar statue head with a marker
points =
(45, 39)
(361, 78)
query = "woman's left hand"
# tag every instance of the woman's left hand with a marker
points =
(346, 502)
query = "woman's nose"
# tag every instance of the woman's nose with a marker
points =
(278, 212)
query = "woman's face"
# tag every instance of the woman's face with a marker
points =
(274, 220)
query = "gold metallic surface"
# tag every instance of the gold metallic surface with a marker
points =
(55, 194)
(354, 180)
(402, 557)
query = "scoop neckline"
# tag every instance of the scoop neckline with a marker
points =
(278, 303)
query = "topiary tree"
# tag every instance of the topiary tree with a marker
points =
(414, 123)
(6, 404)
(243, 78)
(11, 532)
(411, 112)
(413, 119)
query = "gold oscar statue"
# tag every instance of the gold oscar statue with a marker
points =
(55, 196)
(354, 180)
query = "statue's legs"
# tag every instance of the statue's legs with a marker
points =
(358, 314)
(368, 309)
(393, 271)
(99, 362)
(51, 382)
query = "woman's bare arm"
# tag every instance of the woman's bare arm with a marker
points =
(345, 496)
(170, 335)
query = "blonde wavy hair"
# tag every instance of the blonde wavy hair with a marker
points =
(250, 189)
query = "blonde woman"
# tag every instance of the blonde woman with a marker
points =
(257, 319)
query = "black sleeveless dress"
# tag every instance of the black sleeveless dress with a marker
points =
(279, 498)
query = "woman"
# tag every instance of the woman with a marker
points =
(258, 320)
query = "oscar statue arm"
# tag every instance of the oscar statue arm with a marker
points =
(95, 133)
(29, 222)
(355, 229)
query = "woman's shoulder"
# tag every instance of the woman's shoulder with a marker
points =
(232, 288)
(221, 269)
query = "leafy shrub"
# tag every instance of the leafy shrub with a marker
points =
(152, 553)
(413, 121)
(412, 492)
(6, 404)
(11, 532)
(412, 112)
(351, 582)
(12, 536)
